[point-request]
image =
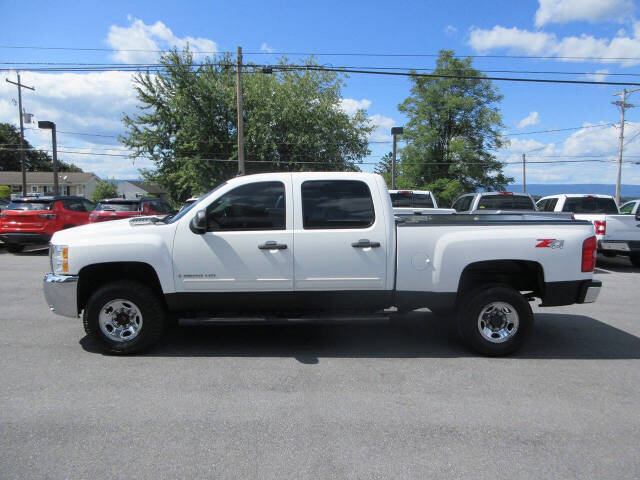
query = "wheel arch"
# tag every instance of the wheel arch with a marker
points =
(94, 276)
(522, 275)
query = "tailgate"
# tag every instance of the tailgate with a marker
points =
(622, 227)
(23, 220)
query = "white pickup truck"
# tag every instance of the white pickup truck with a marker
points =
(416, 202)
(618, 234)
(310, 244)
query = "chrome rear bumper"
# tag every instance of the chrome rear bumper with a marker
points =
(61, 294)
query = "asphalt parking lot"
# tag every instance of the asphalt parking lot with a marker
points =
(358, 400)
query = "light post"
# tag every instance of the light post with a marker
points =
(52, 126)
(395, 131)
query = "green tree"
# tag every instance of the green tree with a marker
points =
(104, 189)
(5, 192)
(35, 160)
(187, 123)
(453, 129)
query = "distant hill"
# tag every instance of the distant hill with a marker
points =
(543, 190)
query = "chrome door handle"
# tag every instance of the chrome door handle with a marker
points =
(365, 243)
(271, 245)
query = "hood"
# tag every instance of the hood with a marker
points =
(102, 230)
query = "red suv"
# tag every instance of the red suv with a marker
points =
(118, 208)
(33, 220)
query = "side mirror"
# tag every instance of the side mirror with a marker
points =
(198, 224)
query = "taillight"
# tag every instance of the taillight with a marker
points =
(601, 226)
(589, 250)
(47, 216)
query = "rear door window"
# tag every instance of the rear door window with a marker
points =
(627, 208)
(590, 205)
(462, 204)
(336, 204)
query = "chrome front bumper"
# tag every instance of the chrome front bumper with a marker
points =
(61, 294)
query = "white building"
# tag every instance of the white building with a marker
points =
(137, 189)
(41, 183)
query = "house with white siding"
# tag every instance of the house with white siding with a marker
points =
(41, 183)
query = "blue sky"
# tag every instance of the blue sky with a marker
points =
(81, 102)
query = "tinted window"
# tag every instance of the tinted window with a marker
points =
(548, 205)
(400, 199)
(88, 206)
(505, 202)
(462, 204)
(160, 207)
(117, 207)
(336, 204)
(590, 205)
(256, 206)
(627, 208)
(29, 205)
(75, 205)
(422, 200)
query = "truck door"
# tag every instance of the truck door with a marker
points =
(341, 244)
(244, 261)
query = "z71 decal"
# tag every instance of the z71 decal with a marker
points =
(549, 243)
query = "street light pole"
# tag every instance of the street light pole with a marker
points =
(395, 131)
(623, 106)
(241, 169)
(52, 126)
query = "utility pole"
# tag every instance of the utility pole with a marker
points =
(52, 126)
(241, 170)
(623, 106)
(22, 159)
(395, 131)
(524, 173)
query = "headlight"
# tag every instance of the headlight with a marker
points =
(59, 259)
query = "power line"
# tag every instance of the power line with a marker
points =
(319, 54)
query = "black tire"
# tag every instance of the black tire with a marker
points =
(474, 303)
(14, 248)
(151, 308)
(635, 259)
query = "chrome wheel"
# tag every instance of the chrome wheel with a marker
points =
(498, 322)
(120, 320)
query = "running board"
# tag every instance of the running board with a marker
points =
(245, 320)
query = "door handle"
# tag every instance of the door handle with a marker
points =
(271, 245)
(365, 243)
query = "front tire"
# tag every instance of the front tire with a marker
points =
(495, 320)
(635, 259)
(14, 248)
(124, 317)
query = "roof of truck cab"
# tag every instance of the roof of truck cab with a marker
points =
(576, 195)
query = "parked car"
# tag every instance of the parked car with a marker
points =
(630, 208)
(617, 234)
(493, 202)
(119, 208)
(415, 202)
(33, 220)
(3, 204)
(314, 243)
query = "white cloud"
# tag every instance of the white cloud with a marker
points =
(382, 131)
(563, 11)
(351, 105)
(450, 30)
(532, 119)
(598, 76)
(266, 48)
(139, 42)
(518, 41)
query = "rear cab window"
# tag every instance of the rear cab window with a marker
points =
(590, 205)
(411, 200)
(336, 204)
(506, 202)
(123, 206)
(462, 204)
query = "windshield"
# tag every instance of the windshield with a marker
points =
(506, 202)
(182, 213)
(30, 205)
(118, 207)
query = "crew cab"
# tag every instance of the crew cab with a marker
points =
(33, 220)
(415, 202)
(618, 234)
(294, 245)
(119, 208)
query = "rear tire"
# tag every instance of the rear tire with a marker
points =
(635, 259)
(14, 248)
(494, 320)
(124, 317)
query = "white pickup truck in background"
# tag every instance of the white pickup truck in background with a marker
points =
(416, 202)
(307, 244)
(617, 234)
